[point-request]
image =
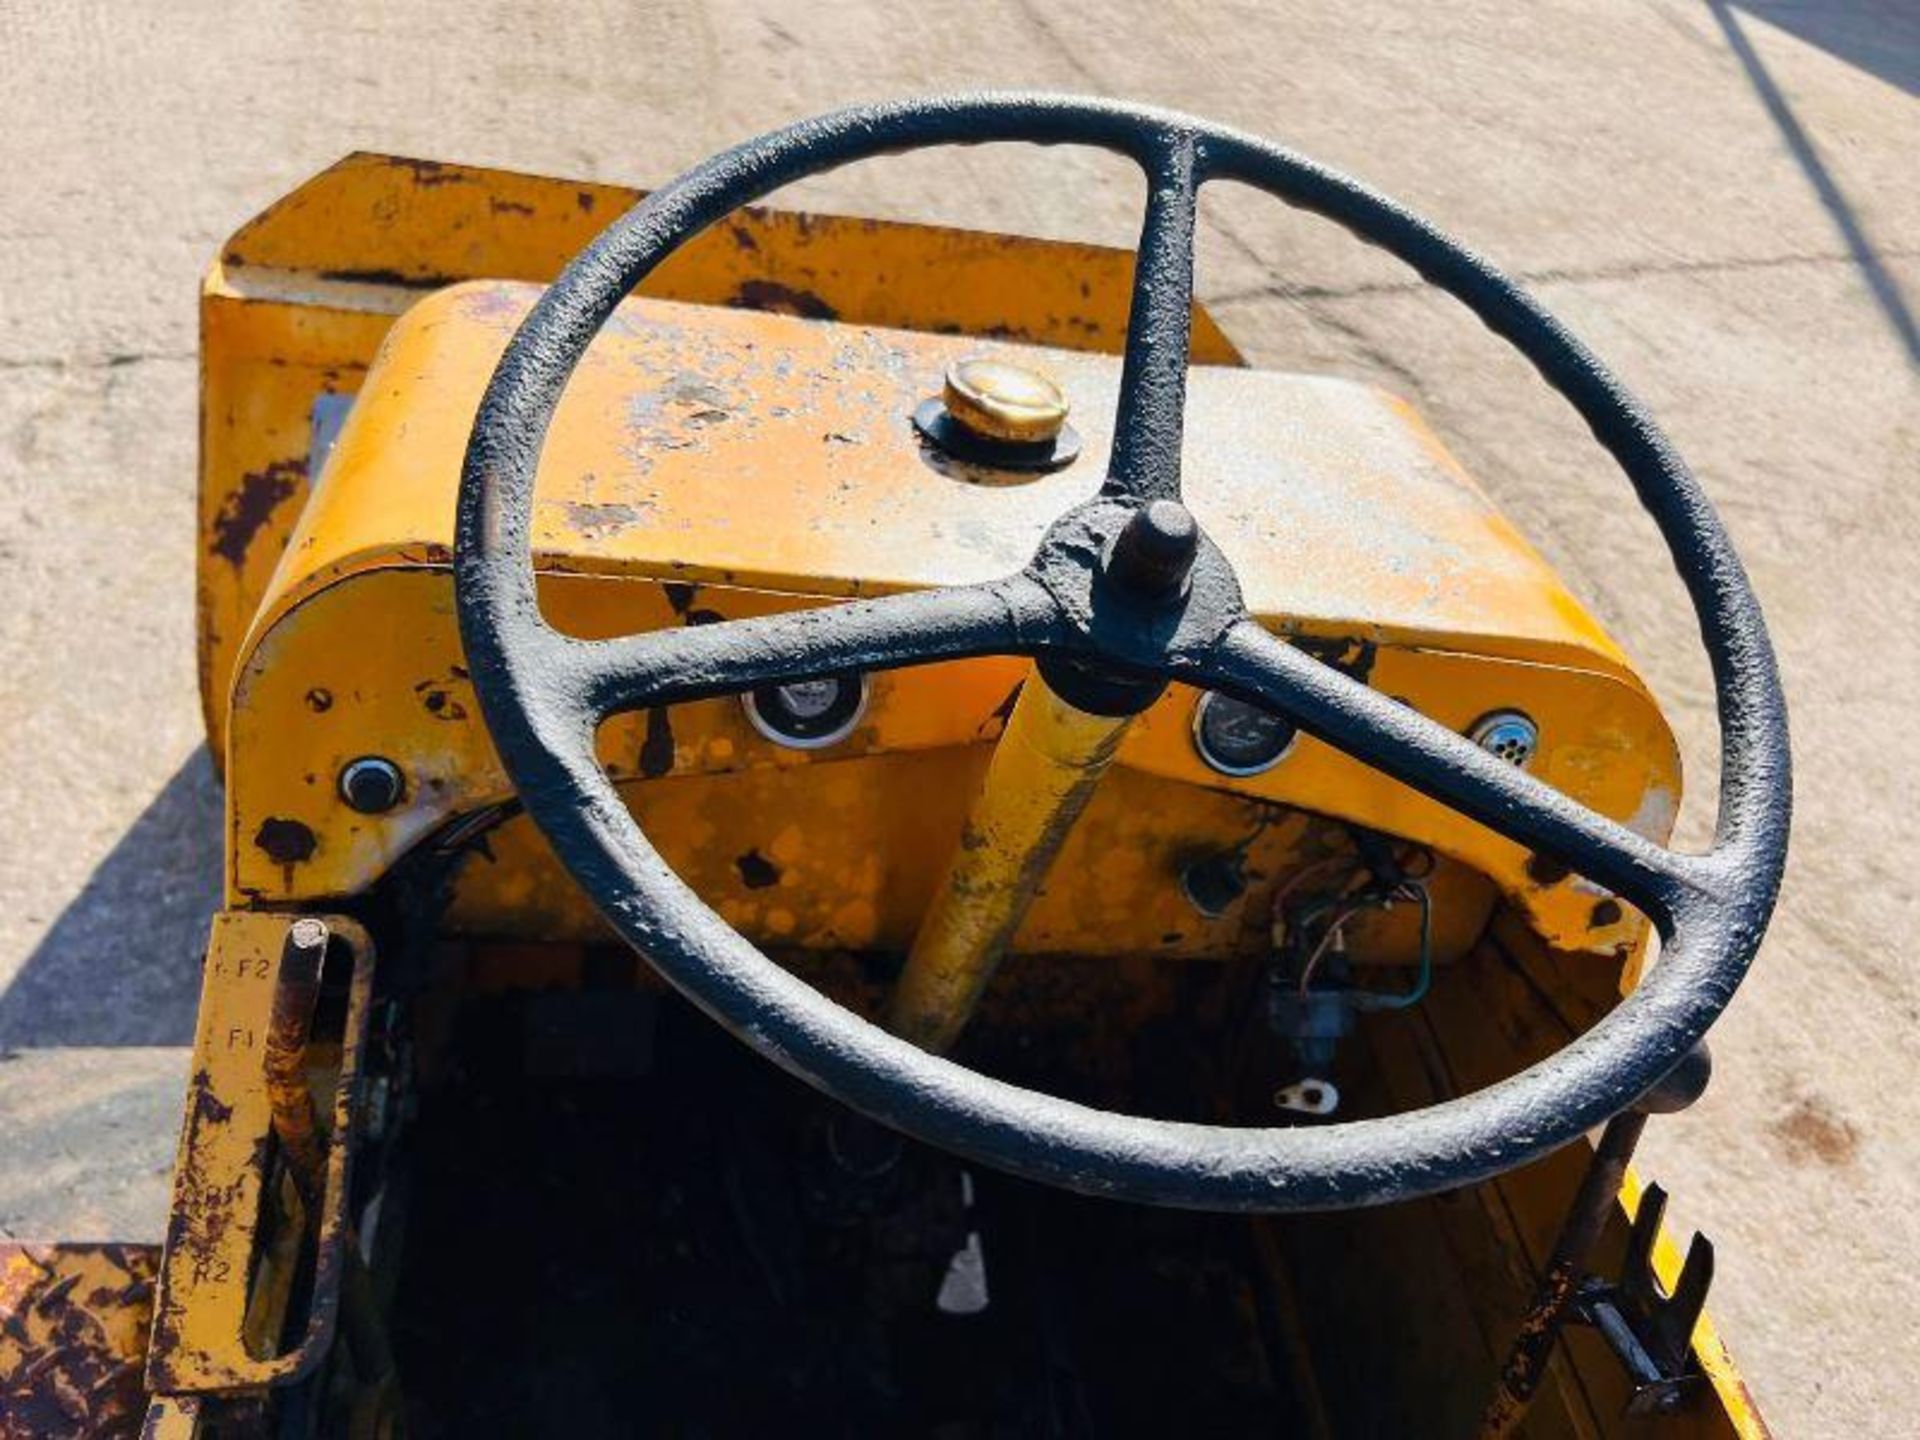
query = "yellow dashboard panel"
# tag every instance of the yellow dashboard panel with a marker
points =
(712, 463)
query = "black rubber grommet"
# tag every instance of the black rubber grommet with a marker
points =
(953, 440)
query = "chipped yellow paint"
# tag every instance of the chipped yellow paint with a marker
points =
(1376, 539)
(1349, 523)
(764, 451)
(208, 1307)
(300, 298)
(858, 834)
(173, 1417)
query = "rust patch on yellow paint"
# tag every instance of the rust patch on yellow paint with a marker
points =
(779, 299)
(247, 509)
(221, 1292)
(286, 842)
(73, 1335)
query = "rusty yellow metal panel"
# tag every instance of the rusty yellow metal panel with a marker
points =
(847, 857)
(645, 522)
(73, 1336)
(173, 1417)
(840, 847)
(220, 1171)
(764, 451)
(222, 1291)
(300, 298)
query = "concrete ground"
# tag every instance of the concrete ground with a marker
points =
(1720, 197)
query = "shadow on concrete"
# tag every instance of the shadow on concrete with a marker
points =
(1881, 37)
(121, 966)
(1880, 45)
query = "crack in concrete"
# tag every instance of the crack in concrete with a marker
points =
(1381, 359)
(114, 360)
(1036, 16)
(1558, 275)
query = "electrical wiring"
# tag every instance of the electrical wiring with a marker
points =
(1405, 884)
(1416, 890)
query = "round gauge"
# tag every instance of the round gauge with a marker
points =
(1236, 738)
(808, 714)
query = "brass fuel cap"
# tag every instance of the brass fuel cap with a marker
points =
(999, 413)
(998, 400)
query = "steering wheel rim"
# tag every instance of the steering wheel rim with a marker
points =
(543, 693)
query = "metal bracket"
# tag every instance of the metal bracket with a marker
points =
(1651, 1331)
(202, 1337)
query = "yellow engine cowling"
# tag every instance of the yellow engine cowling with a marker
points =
(712, 462)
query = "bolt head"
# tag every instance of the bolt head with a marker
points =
(999, 400)
(372, 784)
(308, 933)
(1154, 551)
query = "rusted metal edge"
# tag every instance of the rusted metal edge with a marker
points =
(165, 1372)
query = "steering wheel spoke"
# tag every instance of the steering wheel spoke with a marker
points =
(1255, 665)
(1150, 419)
(916, 627)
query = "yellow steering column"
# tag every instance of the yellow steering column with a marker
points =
(1044, 770)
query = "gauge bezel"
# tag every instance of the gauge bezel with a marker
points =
(842, 728)
(1213, 761)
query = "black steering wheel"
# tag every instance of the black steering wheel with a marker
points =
(543, 693)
